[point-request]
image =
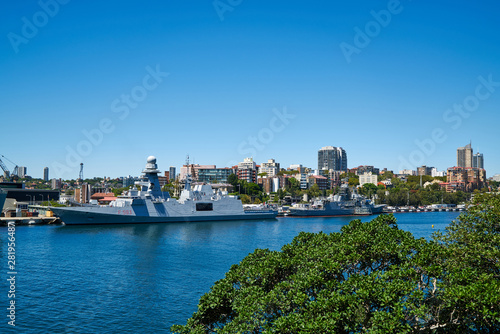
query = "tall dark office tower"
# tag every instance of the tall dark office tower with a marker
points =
(478, 160)
(333, 158)
(464, 156)
(46, 174)
(172, 172)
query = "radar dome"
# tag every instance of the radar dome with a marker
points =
(151, 159)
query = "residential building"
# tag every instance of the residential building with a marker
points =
(247, 174)
(464, 156)
(247, 170)
(82, 194)
(496, 177)
(303, 181)
(368, 177)
(435, 172)
(320, 180)
(477, 160)
(465, 179)
(46, 174)
(407, 172)
(429, 183)
(129, 181)
(334, 177)
(163, 180)
(266, 184)
(424, 170)
(330, 157)
(271, 167)
(193, 171)
(56, 183)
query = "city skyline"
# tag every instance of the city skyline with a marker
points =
(476, 160)
(397, 84)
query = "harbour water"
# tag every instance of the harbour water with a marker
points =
(143, 278)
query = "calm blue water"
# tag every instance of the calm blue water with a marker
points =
(142, 278)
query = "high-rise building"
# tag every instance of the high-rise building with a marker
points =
(171, 173)
(478, 161)
(464, 156)
(334, 158)
(22, 172)
(46, 174)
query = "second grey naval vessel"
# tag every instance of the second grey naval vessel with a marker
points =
(152, 205)
(345, 203)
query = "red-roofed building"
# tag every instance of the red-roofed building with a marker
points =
(321, 181)
(103, 198)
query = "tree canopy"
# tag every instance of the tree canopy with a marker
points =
(371, 277)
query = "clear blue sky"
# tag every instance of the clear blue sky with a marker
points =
(231, 69)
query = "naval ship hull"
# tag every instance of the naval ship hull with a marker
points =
(333, 210)
(80, 216)
(320, 213)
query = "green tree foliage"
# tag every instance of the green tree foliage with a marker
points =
(371, 277)
(353, 181)
(245, 199)
(119, 191)
(470, 258)
(313, 191)
(293, 188)
(368, 189)
(233, 180)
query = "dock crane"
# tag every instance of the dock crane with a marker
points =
(8, 174)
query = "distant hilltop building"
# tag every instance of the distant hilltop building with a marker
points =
(464, 156)
(22, 172)
(435, 172)
(424, 170)
(407, 172)
(46, 174)
(332, 158)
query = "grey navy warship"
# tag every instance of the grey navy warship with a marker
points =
(152, 205)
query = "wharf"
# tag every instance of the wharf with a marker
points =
(30, 220)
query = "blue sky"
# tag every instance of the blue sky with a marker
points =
(223, 80)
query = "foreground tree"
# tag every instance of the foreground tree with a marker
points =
(370, 277)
